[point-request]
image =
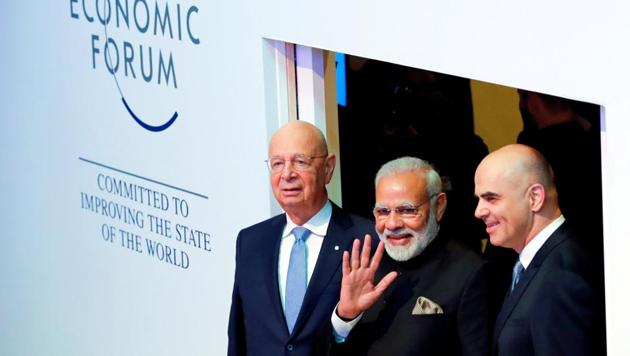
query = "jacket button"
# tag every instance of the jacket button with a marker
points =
(290, 347)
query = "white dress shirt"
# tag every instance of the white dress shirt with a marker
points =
(318, 225)
(341, 328)
(530, 250)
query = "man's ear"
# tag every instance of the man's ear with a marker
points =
(536, 195)
(440, 206)
(329, 167)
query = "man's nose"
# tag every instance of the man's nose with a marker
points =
(287, 170)
(480, 210)
(394, 221)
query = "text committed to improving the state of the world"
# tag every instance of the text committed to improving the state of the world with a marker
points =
(131, 210)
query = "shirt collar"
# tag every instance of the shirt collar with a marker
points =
(318, 224)
(530, 250)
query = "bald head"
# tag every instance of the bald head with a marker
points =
(521, 165)
(300, 131)
(301, 169)
(517, 196)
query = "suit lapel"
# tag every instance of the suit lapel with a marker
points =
(270, 263)
(328, 262)
(512, 299)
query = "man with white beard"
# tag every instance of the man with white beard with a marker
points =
(433, 297)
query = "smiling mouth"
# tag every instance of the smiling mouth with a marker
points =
(401, 239)
(490, 227)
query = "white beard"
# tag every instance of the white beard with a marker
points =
(419, 241)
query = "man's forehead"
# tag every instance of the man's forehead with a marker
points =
(291, 148)
(293, 145)
(400, 189)
(497, 185)
(294, 155)
(496, 174)
(411, 181)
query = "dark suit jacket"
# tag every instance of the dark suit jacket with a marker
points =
(457, 279)
(257, 325)
(554, 309)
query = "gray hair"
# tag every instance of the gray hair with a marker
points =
(415, 165)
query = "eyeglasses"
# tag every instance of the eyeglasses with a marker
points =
(405, 211)
(298, 162)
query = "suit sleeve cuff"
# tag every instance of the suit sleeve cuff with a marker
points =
(341, 328)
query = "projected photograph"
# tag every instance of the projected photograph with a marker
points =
(520, 184)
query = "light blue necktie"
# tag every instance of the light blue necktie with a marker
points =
(517, 271)
(296, 277)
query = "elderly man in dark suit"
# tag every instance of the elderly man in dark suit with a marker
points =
(552, 307)
(434, 296)
(288, 271)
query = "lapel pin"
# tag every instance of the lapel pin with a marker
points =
(336, 247)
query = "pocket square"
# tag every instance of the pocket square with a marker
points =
(425, 306)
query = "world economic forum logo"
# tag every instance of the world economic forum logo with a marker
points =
(130, 45)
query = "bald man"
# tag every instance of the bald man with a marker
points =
(552, 307)
(288, 273)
